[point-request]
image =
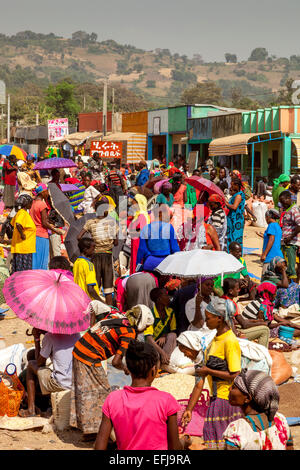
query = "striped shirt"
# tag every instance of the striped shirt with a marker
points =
(218, 218)
(251, 310)
(115, 177)
(103, 232)
(105, 339)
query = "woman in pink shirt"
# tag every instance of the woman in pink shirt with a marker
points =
(143, 417)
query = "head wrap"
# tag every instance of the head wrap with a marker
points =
(265, 290)
(224, 308)
(262, 390)
(282, 179)
(23, 200)
(166, 185)
(191, 340)
(25, 181)
(40, 188)
(98, 307)
(216, 198)
(140, 316)
(142, 203)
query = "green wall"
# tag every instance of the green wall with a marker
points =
(177, 119)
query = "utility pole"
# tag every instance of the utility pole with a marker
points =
(8, 119)
(104, 120)
(113, 109)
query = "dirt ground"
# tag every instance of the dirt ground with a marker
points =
(13, 331)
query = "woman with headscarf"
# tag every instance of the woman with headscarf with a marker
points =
(280, 185)
(262, 427)
(165, 196)
(140, 219)
(288, 293)
(235, 217)
(222, 365)
(23, 243)
(218, 219)
(90, 387)
(194, 234)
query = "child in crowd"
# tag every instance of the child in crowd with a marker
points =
(247, 287)
(84, 270)
(104, 232)
(61, 265)
(162, 334)
(143, 417)
(252, 329)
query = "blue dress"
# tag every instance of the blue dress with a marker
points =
(157, 241)
(236, 221)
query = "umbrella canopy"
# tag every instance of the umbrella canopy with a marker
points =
(197, 263)
(55, 162)
(71, 242)
(8, 150)
(48, 300)
(61, 203)
(203, 184)
(67, 188)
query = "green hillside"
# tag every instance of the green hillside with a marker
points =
(29, 62)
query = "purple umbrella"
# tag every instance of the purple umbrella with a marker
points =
(68, 188)
(55, 162)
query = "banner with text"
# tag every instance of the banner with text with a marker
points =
(106, 149)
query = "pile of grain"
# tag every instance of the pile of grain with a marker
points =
(289, 403)
(179, 385)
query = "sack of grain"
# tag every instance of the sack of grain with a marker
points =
(281, 370)
(60, 402)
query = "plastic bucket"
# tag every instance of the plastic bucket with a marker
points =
(285, 332)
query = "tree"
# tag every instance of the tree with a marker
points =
(150, 84)
(231, 58)
(93, 37)
(60, 99)
(207, 92)
(259, 54)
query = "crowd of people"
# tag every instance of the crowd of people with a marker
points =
(130, 219)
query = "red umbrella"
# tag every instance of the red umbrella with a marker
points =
(202, 184)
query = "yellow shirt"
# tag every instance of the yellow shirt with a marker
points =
(225, 346)
(161, 327)
(85, 275)
(18, 245)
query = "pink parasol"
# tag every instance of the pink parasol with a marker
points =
(48, 300)
(202, 184)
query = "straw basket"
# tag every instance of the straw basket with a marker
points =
(60, 402)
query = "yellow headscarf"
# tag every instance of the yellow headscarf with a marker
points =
(142, 202)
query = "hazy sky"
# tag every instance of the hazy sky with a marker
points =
(208, 27)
